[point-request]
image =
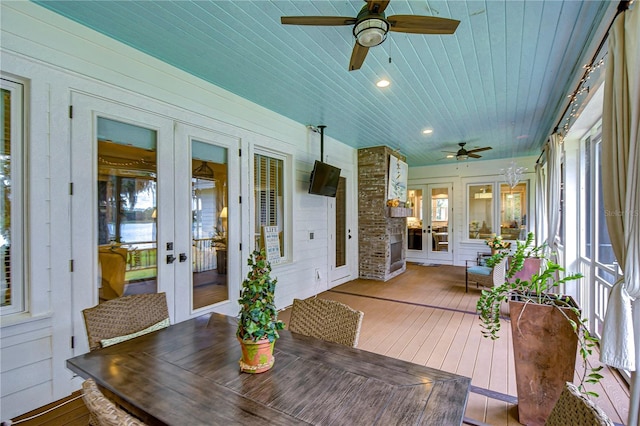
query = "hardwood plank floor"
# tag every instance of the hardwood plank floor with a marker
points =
(425, 316)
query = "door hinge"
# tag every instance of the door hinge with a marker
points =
(73, 342)
(70, 188)
(240, 199)
(240, 246)
(70, 111)
(239, 152)
(71, 265)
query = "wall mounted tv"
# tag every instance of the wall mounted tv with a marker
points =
(324, 179)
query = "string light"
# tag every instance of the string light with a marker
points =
(575, 102)
(126, 164)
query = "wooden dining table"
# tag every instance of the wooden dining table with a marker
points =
(188, 374)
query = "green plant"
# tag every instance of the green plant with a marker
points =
(258, 314)
(536, 290)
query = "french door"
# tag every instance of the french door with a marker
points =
(429, 230)
(150, 207)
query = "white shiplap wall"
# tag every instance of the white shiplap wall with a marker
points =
(56, 55)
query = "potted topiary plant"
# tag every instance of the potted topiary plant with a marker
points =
(258, 322)
(547, 329)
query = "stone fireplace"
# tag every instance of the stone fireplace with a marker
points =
(396, 259)
(382, 237)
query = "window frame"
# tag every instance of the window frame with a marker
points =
(18, 256)
(286, 220)
(496, 200)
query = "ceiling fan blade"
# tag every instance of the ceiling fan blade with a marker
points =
(422, 24)
(317, 20)
(377, 6)
(357, 57)
(486, 148)
(470, 154)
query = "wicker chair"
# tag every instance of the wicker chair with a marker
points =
(488, 277)
(327, 320)
(104, 412)
(575, 409)
(125, 316)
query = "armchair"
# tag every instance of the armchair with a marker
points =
(485, 275)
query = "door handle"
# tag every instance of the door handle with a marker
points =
(183, 257)
(170, 259)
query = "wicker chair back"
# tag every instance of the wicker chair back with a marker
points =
(327, 320)
(124, 315)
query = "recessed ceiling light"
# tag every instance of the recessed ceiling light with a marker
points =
(383, 83)
(427, 131)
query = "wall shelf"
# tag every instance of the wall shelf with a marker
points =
(399, 211)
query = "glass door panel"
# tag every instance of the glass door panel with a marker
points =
(209, 224)
(207, 206)
(414, 223)
(439, 198)
(127, 209)
(341, 224)
(437, 215)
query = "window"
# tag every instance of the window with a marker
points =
(586, 200)
(503, 213)
(600, 267)
(269, 198)
(11, 194)
(480, 213)
(513, 211)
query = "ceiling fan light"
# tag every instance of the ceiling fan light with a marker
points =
(461, 157)
(371, 32)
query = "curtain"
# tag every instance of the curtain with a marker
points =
(621, 152)
(554, 157)
(541, 203)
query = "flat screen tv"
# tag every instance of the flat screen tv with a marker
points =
(324, 179)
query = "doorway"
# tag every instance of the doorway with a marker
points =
(429, 230)
(150, 209)
(341, 250)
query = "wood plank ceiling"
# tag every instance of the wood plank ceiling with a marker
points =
(501, 80)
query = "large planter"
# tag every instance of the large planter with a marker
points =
(257, 357)
(544, 347)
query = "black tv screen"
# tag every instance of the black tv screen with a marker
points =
(324, 179)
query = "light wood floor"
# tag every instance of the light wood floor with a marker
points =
(425, 316)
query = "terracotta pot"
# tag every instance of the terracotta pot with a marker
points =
(544, 347)
(257, 357)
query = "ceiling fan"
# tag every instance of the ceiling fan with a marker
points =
(462, 154)
(371, 25)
